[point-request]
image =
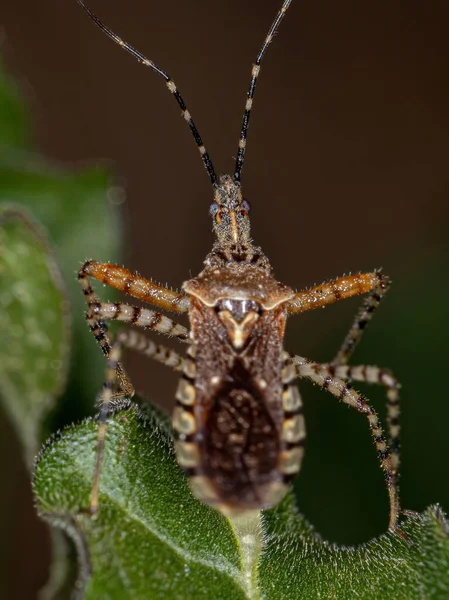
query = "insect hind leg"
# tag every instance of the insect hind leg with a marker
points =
(322, 375)
(134, 341)
(105, 403)
(372, 374)
(376, 375)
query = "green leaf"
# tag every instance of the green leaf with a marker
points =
(79, 211)
(153, 539)
(35, 326)
(297, 563)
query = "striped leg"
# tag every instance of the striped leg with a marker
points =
(137, 286)
(99, 330)
(134, 341)
(373, 374)
(136, 315)
(148, 319)
(322, 376)
(363, 316)
(105, 401)
(293, 427)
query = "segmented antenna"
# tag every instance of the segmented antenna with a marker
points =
(169, 83)
(252, 88)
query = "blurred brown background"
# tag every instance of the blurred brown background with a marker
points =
(346, 170)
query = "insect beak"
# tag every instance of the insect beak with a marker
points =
(235, 233)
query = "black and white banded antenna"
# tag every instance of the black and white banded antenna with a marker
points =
(168, 82)
(252, 88)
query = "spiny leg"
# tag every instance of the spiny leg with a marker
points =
(376, 375)
(127, 281)
(337, 289)
(322, 375)
(363, 316)
(133, 284)
(376, 284)
(132, 340)
(99, 329)
(372, 374)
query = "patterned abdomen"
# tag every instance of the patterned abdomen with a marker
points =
(237, 453)
(240, 449)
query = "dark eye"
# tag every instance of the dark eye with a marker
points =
(246, 206)
(213, 209)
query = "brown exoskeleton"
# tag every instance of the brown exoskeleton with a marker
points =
(238, 422)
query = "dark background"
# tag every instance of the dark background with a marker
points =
(346, 170)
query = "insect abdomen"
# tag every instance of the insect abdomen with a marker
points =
(241, 448)
(236, 455)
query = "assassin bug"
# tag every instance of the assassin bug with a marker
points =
(238, 422)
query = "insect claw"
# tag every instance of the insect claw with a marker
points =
(93, 511)
(402, 535)
(409, 513)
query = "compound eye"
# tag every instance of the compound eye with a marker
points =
(246, 206)
(213, 209)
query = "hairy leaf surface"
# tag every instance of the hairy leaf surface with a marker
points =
(153, 540)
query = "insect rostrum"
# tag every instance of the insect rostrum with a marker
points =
(238, 422)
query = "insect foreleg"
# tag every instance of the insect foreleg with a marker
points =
(362, 317)
(340, 289)
(133, 284)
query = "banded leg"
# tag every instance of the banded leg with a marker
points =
(363, 316)
(99, 329)
(132, 340)
(137, 286)
(372, 374)
(136, 315)
(376, 375)
(322, 376)
(105, 401)
(293, 427)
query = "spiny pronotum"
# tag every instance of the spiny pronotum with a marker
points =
(238, 421)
